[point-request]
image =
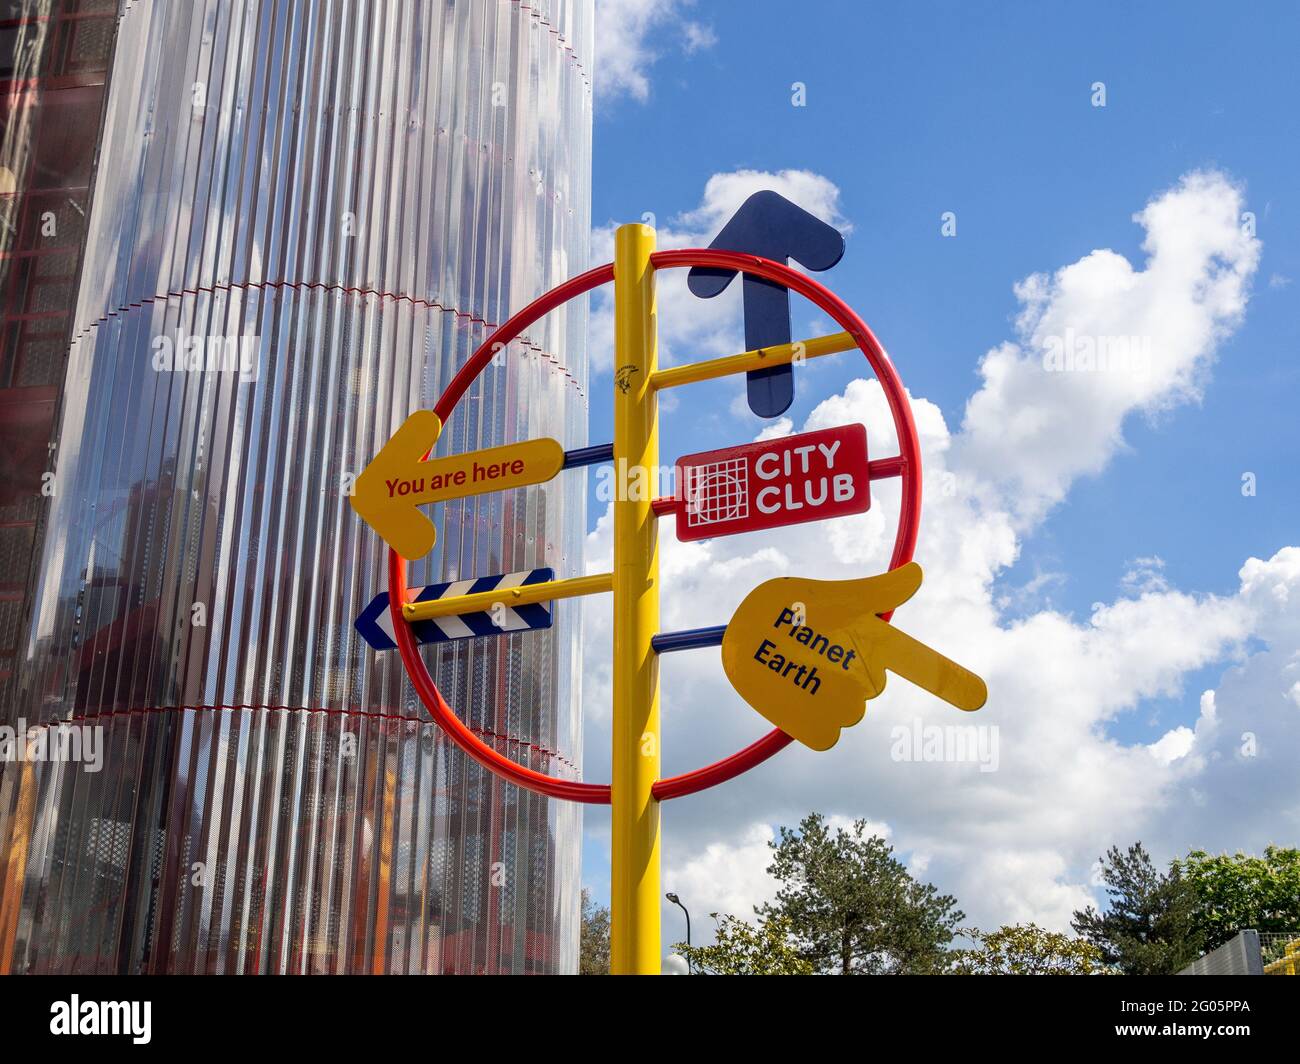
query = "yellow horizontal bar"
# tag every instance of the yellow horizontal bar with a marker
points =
(777, 355)
(511, 596)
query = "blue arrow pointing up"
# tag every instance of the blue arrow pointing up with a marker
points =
(769, 225)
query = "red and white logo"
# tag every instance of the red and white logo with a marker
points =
(786, 481)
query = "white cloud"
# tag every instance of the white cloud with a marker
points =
(1019, 843)
(1146, 574)
(727, 877)
(628, 36)
(723, 193)
(1025, 885)
(690, 328)
(697, 37)
(782, 426)
(1031, 430)
(1238, 789)
(1173, 745)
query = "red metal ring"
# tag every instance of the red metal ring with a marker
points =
(904, 541)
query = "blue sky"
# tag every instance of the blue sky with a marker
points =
(986, 111)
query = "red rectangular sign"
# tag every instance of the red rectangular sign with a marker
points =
(785, 481)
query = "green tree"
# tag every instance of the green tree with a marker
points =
(746, 949)
(1149, 926)
(852, 908)
(1243, 891)
(1027, 949)
(593, 943)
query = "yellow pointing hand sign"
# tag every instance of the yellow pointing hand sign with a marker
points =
(392, 488)
(807, 654)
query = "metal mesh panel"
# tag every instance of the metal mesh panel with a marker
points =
(362, 189)
(1238, 956)
(1280, 952)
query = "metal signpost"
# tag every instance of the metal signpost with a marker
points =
(806, 654)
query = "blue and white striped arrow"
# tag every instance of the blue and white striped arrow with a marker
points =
(376, 622)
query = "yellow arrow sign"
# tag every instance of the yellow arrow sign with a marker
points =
(807, 654)
(392, 488)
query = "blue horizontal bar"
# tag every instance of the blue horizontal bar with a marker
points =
(582, 456)
(690, 639)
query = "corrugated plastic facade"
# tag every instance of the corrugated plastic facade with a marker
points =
(347, 193)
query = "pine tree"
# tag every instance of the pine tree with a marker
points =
(1149, 926)
(852, 908)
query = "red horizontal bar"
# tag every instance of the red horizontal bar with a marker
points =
(887, 467)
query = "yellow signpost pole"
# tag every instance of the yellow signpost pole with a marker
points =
(634, 886)
(846, 649)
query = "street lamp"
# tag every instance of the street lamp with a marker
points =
(678, 902)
